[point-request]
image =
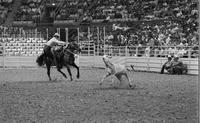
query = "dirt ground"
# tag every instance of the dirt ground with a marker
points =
(26, 96)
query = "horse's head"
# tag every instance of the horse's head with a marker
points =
(74, 47)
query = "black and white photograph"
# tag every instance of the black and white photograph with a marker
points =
(99, 61)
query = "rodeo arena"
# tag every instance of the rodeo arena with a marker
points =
(99, 61)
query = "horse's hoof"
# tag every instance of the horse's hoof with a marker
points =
(100, 83)
(132, 86)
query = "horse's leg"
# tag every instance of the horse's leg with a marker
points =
(78, 74)
(69, 71)
(59, 70)
(48, 70)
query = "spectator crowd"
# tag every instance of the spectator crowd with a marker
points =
(5, 8)
(176, 21)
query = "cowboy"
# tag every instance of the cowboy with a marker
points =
(50, 44)
(177, 66)
(167, 64)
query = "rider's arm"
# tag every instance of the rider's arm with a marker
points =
(59, 42)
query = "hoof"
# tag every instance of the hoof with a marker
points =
(132, 86)
(77, 77)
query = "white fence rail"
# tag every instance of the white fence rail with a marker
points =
(152, 64)
(23, 52)
(20, 49)
(34, 48)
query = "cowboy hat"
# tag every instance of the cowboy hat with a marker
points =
(169, 56)
(176, 56)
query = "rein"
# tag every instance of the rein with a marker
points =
(70, 52)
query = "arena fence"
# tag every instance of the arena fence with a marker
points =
(93, 40)
(20, 51)
(35, 47)
(150, 64)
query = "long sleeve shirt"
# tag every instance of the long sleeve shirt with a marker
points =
(53, 42)
(168, 63)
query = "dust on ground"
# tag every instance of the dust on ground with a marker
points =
(26, 96)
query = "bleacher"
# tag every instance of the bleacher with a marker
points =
(151, 22)
(5, 8)
(24, 46)
(30, 10)
(22, 42)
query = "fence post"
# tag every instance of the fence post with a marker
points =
(119, 51)
(189, 53)
(78, 38)
(148, 60)
(126, 51)
(111, 51)
(89, 41)
(136, 51)
(3, 54)
(58, 31)
(40, 35)
(66, 34)
(155, 52)
(94, 47)
(47, 30)
(104, 34)
(98, 41)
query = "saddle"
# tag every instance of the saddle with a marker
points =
(58, 53)
(57, 48)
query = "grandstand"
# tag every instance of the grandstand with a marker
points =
(139, 33)
(97, 24)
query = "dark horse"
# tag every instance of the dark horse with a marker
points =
(67, 59)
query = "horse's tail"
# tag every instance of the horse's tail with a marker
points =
(40, 60)
(132, 68)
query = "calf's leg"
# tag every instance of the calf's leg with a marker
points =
(105, 76)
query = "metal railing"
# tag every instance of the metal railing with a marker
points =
(20, 42)
(35, 48)
(139, 51)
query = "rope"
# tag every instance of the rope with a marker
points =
(70, 52)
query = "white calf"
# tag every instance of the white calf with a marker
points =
(117, 70)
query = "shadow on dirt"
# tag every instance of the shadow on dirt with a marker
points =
(119, 88)
(41, 82)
